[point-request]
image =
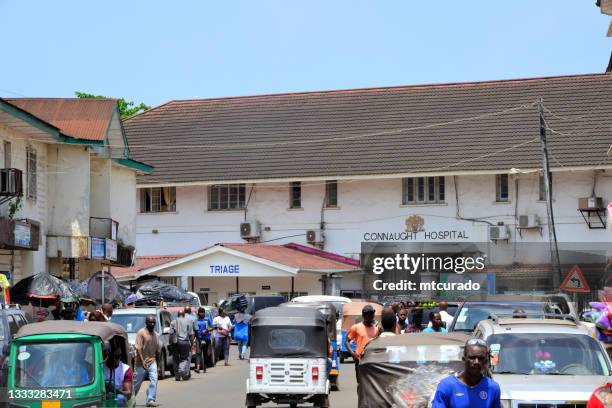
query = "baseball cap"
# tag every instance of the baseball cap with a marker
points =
(367, 309)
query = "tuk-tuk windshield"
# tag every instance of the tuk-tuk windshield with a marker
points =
(43, 365)
(304, 342)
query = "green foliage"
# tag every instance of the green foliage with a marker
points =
(14, 207)
(126, 108)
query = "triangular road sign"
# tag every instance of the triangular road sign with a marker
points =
(575, 281)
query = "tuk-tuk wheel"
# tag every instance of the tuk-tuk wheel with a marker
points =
(335, 384)
(322, 401)
(162, 367)
(251, 401)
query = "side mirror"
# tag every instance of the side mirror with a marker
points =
(166, 330)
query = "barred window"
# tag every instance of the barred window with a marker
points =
(31, 167)
(422, 190)
(226, 197)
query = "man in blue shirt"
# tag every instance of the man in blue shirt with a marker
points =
(203, 329)
(470, 388)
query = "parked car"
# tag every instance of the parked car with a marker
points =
(544, 362)
(12, 318)
(255, 303)
(471, 312)
(133, 319)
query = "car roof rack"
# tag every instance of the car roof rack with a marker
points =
(514, 318)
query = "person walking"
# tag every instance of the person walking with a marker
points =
(223, 326)
(147, 354)
(361, 333)
(241, 331)
(181, 351)
(470, 388)
(389, 324)
(107, 311)
(436, 324)
(204, 324)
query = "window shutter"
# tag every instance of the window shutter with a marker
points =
(31, 165)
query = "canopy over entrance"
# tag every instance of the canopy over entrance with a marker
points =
(249, 260)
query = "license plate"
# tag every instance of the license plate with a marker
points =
(51, 404)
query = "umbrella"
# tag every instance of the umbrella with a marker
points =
(43, 287)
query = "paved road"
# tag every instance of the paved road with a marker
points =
(224, 387)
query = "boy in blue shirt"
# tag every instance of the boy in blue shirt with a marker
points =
(470, 388)
(204, 327)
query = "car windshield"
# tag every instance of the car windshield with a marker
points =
(471, 314)
(547, 354)
(43, 365)
(132, 322)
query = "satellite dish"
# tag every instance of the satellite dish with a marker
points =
(94, 287)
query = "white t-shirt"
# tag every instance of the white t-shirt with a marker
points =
(224, 323)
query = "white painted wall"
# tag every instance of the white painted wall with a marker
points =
(69, 190)
(371, 206)
(123, 202)
(219, 287)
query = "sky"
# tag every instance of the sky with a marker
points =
(155, 51)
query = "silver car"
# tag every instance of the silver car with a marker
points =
(544, 362)
(133, 319)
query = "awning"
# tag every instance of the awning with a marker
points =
(249, 260)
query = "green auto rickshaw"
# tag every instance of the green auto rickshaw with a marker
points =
(62, 363)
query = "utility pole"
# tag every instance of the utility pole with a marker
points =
(552, 234)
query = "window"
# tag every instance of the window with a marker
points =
(416, 190)
(331, 193)
(157, 199)
(501, 188)
(31, 172)
(7, 155)
(226, 196)
(295, 198)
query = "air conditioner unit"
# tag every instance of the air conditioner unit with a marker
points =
(498, 232)
(528, 221)
(249, 230)
(314, 237)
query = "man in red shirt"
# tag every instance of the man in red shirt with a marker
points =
(361, 333)
(602, 397)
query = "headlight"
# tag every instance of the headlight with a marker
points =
(506, 403)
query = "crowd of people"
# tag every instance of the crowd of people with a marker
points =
(473, 386)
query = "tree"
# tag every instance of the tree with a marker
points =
(126, 108)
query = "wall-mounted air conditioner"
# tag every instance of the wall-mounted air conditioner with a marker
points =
(250, 230)
(498, 232)
(315, 237)
(528, 221)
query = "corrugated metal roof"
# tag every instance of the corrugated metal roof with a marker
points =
(480, 126)
(292, 257)
(142, 262)
(86, 119)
